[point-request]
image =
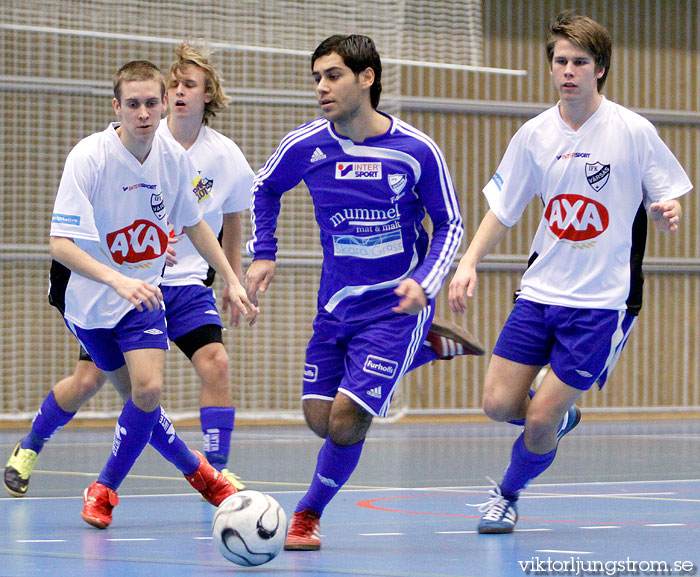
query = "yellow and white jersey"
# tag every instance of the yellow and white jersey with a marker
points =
(226, 183)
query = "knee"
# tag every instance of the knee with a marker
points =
(319, 428)
(349, 427)
(146, 394)
(497, 406)
(89, 382)
(212, 366)
(540, 427)
(316, 415)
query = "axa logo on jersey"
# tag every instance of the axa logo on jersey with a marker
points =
(140, 241)
(576, 218)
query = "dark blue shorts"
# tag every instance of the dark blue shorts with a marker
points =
(581, 345)
(189, 307)
(363, 359)
(136, 330)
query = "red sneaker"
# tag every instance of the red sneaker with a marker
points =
(304, 532)
(213, 486)
(99, 501)
(450, 340)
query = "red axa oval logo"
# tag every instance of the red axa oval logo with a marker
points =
(137, 242)
(576, 218)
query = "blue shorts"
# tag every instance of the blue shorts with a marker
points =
(581, 345)
(189, 307)
(136, 330)
(364, 359)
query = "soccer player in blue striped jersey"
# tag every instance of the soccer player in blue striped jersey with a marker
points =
(372, 178)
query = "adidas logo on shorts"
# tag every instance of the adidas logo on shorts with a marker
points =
(376, 392)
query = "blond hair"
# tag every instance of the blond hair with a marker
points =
(195, 53)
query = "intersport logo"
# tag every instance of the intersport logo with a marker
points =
(576, 218)
(358, 170)
(137, 242)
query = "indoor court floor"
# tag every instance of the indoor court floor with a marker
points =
(622, 498)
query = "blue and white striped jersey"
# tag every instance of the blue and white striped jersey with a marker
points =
(370, 200)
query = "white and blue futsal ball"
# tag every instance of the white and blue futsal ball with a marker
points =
(249, 528)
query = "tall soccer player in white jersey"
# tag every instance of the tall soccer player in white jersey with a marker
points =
(121, 191)
(372, 178)
(599, 170)
(195, 94)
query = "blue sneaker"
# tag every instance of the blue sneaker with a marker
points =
(572, 418)
(499, 514)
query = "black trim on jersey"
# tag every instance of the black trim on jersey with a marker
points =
(533, 258)
(211, 273)
(639, 241)
(191, 342)
(58, 282)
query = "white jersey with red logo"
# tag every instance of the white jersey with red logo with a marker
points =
(592, 183)
(117, 210)
(226, 180)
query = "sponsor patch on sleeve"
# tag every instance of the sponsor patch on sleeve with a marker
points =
(71, 219)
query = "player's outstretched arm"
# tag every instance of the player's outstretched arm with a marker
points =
(491, 231)
(208, 246)
(666, 215)
(139, 293)
(412, 297)
(258, 278)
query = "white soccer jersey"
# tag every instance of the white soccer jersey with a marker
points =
(592, 183)
(227, 179)
(117, 210)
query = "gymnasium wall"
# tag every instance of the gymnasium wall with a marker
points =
(54, 89)
(654, 71)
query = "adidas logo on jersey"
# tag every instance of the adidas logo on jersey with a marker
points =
(317, 155)
(376, 392)
(153, 332)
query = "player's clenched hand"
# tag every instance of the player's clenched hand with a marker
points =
(258, 277)
(138, 292)
(666, 215)
(236, 298)
(413, 299)
(462, 286)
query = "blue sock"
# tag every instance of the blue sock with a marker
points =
(166, 441)
(524, 467)
(131, 434)
(334, 466)
(424, 355)
(217, 425)
(521, 422)
(47, 421)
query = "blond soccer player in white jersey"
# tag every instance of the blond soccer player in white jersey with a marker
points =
(600, 172)
(121, 191)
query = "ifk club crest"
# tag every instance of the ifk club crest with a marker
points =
(397, 182)
(597, 175)
(158, 205)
